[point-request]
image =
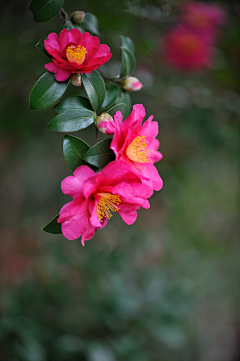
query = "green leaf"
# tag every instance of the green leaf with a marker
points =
(69, 25)
(95, 88)
(118, 107)
(112, 92)
(90, 23)
(44, 10)
(53, 226)
(72, 103)
(40, 46)
(46, 92)
(127, 43)
(72, 120)
(100, 154)
(128, 63)
(73, 150)
(126, 99)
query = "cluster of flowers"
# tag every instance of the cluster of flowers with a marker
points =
(190, 44)
(122, 186)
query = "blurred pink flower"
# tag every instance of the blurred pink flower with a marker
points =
(74, 52)
(96, 195)
(205, 17)
(186, 49)
(137, 145)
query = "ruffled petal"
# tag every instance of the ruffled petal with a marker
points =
(53, 41)
(134, 120)
(149, 171)
(67, 37)
(74, 219)
(60, 74)
(129, 215)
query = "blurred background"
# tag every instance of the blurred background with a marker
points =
(167, 287)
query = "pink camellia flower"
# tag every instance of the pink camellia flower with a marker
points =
(187, 50)
(74, 52)
(203, 16)
(96, 195)
(137, 145)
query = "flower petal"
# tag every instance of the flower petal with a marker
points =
(67, 37)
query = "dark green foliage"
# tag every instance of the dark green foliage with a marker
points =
(44, 10)
(46, 92)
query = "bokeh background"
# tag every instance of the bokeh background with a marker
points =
(165, 288)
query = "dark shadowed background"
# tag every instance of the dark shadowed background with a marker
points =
(163, 289)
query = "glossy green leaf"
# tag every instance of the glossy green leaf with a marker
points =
(73, 150)
(112, 92)
(72, 103)
(128, 63)
(44, 10)
(53, 226)
(40, 46)
(90, 23)
(127, 43)
(72, 120)
(118, 107)
(126, 99)
(100, 154)
(46, 92)
(95, 88)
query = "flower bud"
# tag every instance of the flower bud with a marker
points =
(131, 84)
(76, 79)
(77, 17)
(105, 124)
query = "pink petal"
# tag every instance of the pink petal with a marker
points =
(150, 171)
(117, 141)
(60, 74)
(134, 120)
(103, 50)
(67, 37)
(51, 67)
(74, 219)
(91, 46)
(53, 41)
(129, 216)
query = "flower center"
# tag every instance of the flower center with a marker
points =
(106, 205)
(76, 54)
(137, 150)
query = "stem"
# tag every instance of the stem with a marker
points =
(63, 16)
(97, 135)
(107, 78)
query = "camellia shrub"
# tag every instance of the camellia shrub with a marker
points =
(117, 174)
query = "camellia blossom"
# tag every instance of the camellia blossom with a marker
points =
(187, 50)
(137, 145)
(74, 52)
(116, 188)
(204, 17)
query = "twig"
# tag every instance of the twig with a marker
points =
(97, 135)
(63, 16)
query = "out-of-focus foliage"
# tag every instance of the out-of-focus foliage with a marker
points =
(166, 288)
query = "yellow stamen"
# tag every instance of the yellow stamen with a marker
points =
(106, 205)
(137, 150)
(76, 54)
